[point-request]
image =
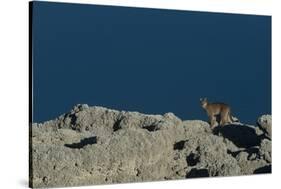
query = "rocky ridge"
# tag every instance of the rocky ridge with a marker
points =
(96, 145)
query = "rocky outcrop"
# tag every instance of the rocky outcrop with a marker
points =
(96, 145)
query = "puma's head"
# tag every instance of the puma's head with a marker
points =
(203, 102)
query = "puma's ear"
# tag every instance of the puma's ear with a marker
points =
(200, 99)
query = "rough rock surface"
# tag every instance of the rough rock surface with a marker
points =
(264, 122)
(96, 145)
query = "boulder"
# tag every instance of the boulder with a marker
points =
(265, 124)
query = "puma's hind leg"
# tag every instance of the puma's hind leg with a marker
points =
(229, 118)
(224, 118)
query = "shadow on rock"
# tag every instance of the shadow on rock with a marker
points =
(197, 173)
(192, 159)
(263, 170)
(241, 135)
(82, 143)
(179, 145)
(251, 151)
(151, 128)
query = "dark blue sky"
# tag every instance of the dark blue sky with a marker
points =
(149, 60)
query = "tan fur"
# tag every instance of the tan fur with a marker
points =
(217, 109)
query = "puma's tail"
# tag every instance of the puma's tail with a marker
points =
(233, 119)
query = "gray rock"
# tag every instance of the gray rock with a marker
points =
(205, 150)
(265, 123)
(248, 161)
(265, 150)
(96, 145)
